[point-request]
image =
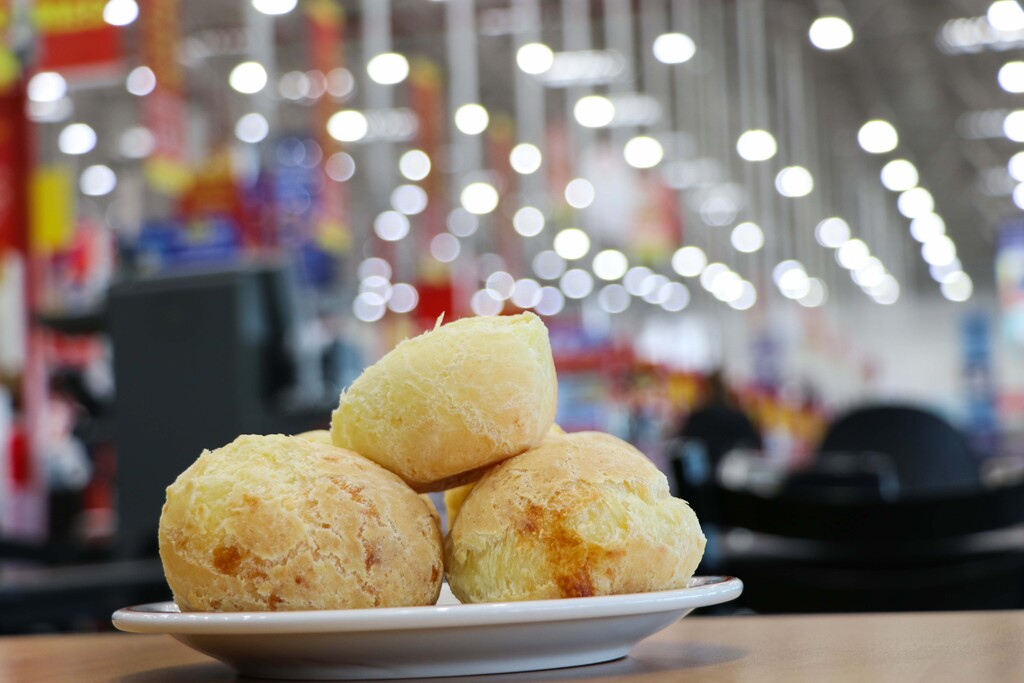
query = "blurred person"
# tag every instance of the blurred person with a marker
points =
(718, 424)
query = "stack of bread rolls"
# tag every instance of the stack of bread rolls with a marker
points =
(333, 520)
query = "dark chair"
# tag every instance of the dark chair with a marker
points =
(930, 455)
(963, 551)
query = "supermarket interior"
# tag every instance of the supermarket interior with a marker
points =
(778, 248)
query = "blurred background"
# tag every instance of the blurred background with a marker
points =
(779, 248)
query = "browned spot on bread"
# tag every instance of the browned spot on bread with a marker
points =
(533, 517)
(300, 581)
(226, 559)
(576, 585)
(356, 493)
(250, 500)
(435, 572)
(274, 601)
(370, 557)
(569, 556)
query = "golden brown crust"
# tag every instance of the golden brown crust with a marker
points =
(286, 523)
(584, 514)
(455, 496)
(441, 407)
(324, 436)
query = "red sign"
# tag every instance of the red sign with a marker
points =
(13, 172)
(74, 35)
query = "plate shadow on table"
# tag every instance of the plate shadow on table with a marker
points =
(653, 657)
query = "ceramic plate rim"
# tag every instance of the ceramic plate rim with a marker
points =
(156, 617)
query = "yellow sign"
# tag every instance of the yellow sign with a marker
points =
(51, 210)
(69, 16)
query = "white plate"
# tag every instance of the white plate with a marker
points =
(447, 639)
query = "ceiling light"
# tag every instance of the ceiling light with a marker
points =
(551, 301)
(927, 227)
(610, 264)
(689, 261)
(635, 278)
(794, 181)
(479, 198)
(579, 193)
(76, 139)
(1011, 77)
(47, 86)
(252, 128)
(784, 267)
(830, 33)
(817, 294)
(643, 152)
(97, 181)
(445, 247)
(899, 175)
(274, 7)
(547, 265)
(248, 78)
(756, 145)
(594, 111)
(528, 221)
(369, 307)
(409, 199)
(391, 226)
(1013, 125)
(535, 58)
(340, 167)
(388, 68)
(1005, 15)
(576, 283)
(374, 266)
(471, 119)
(484, 302)
(120, 12)
(526, 293)
(414, 164)
(674, 296)
(525, 158)
(877, 137)
(404, 298)
(572, 243)
(137, 142)
(348, 126)
(613, 298)
(940, 251)
(462, 223)
(674, 48)
(832, 232)
(915, 202)
(747, 237)
(746, 299)
(1015, 167)
(501, 284)
(853, 254)
(958, 288)
(710, 272)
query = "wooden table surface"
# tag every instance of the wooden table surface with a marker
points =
(971, 646)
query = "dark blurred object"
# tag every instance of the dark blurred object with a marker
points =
(198, 359)
(718, 425)
(79, 597)
(845, 477)
(811, 554)
(931, 457)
